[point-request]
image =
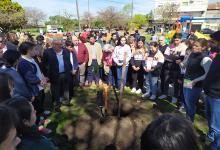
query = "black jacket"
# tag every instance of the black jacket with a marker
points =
(51, 65)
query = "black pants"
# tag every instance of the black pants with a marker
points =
(72, 83)
(171, 77)
(162, 80)
(38, 104)
(137, 79)
(60, 89)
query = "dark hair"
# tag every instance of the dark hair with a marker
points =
(68, 43)
(92, 36)
(142, 38)
(8, 121)
(11, 56)
(119, 40)
(25, 46)
(169, 132)
(154, 44)
(3, 37)
(23, 109)
(203, 42)
(177, 36)
(216, 36)
(40, 38)
(6, 84)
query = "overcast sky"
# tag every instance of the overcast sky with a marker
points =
(56, 7)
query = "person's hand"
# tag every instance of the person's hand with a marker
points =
(178, 61)
(33, 98)
(137, 68)
(193, 83)
(134, 68)
(74, 72)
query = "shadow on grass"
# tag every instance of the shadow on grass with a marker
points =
(81, 126)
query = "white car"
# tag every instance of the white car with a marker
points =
(52, 30)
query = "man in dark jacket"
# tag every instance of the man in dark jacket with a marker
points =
(212, 90)
(57, 67)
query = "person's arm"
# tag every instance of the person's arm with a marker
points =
(128, 55)
(205, 63)
(45, 63)
(114, 56)
(75, 61)
(160, 61)
(86, 52)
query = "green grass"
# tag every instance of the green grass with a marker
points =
(84, 104)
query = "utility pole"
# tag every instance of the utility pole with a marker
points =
(89, 14)
(132, 8)
(77, 10)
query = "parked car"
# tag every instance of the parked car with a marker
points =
(53, 30)
(207, 31)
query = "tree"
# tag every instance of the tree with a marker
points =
(110, 17)
(34, 16)
(68, 24)
(87, 18)
(127, 9)
(137, 21)
(98, 23)
(166, 13)
(12, 15)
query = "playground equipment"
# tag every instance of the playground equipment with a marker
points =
(184, 24)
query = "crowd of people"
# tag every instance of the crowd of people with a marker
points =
(28, 66)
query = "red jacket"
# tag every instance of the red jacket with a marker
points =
(82, 54)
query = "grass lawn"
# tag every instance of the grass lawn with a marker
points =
(81, 125)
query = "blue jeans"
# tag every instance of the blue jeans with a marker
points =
(151, 84)
(93, 72)
(213, 117)
(191, 97)
(119, 75)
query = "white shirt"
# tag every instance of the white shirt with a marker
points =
(119, 52)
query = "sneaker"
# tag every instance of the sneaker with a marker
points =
(174, 99)
(153, 97)
(138, 91)
(162, 97)
(145, 95)
(182, 109)
(133, 90)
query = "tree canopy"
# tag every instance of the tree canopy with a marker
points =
(68, 23)
(12, 15)
(138, 21)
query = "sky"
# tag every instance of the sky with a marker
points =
(58, 7)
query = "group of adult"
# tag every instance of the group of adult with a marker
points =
(28, 67)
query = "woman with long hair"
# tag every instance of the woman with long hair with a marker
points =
(136, 64)
(122, 56)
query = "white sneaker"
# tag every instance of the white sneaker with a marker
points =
(145, 95)
(162, 97)
(153, 97)
(138, 91)
(174, 99)
(133, 90)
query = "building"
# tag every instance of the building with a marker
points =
(213, 11)
(193, 8)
